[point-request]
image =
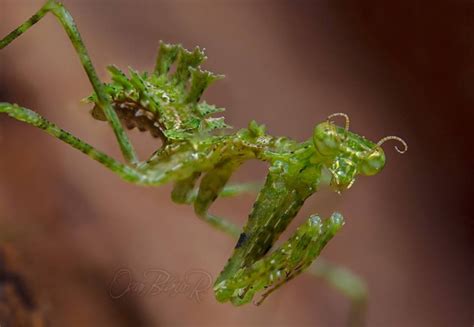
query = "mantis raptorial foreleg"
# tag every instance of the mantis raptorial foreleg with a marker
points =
(283, 264)
(276, 205)
(103, 101)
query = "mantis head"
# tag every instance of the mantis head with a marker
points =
(346, 154)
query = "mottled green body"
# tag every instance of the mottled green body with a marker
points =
(199, 158)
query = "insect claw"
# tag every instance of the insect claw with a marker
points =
(260, 301)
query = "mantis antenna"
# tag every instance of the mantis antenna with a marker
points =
(348, 121)
(388, 138)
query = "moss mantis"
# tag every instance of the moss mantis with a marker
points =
(199, 161)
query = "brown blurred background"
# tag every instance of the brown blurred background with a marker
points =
(404, 68)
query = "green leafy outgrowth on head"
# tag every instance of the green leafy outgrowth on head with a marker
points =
(166, 104)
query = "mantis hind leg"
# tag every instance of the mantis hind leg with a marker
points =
(30, 117)
(286, 262)
(66, 20)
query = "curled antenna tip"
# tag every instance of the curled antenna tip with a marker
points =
(342, 115)
(399, 139)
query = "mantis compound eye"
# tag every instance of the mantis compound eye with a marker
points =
(326, 138)
(373, 163)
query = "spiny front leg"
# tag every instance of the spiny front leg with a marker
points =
(286, 262)
(66, 20)
(277, 204)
